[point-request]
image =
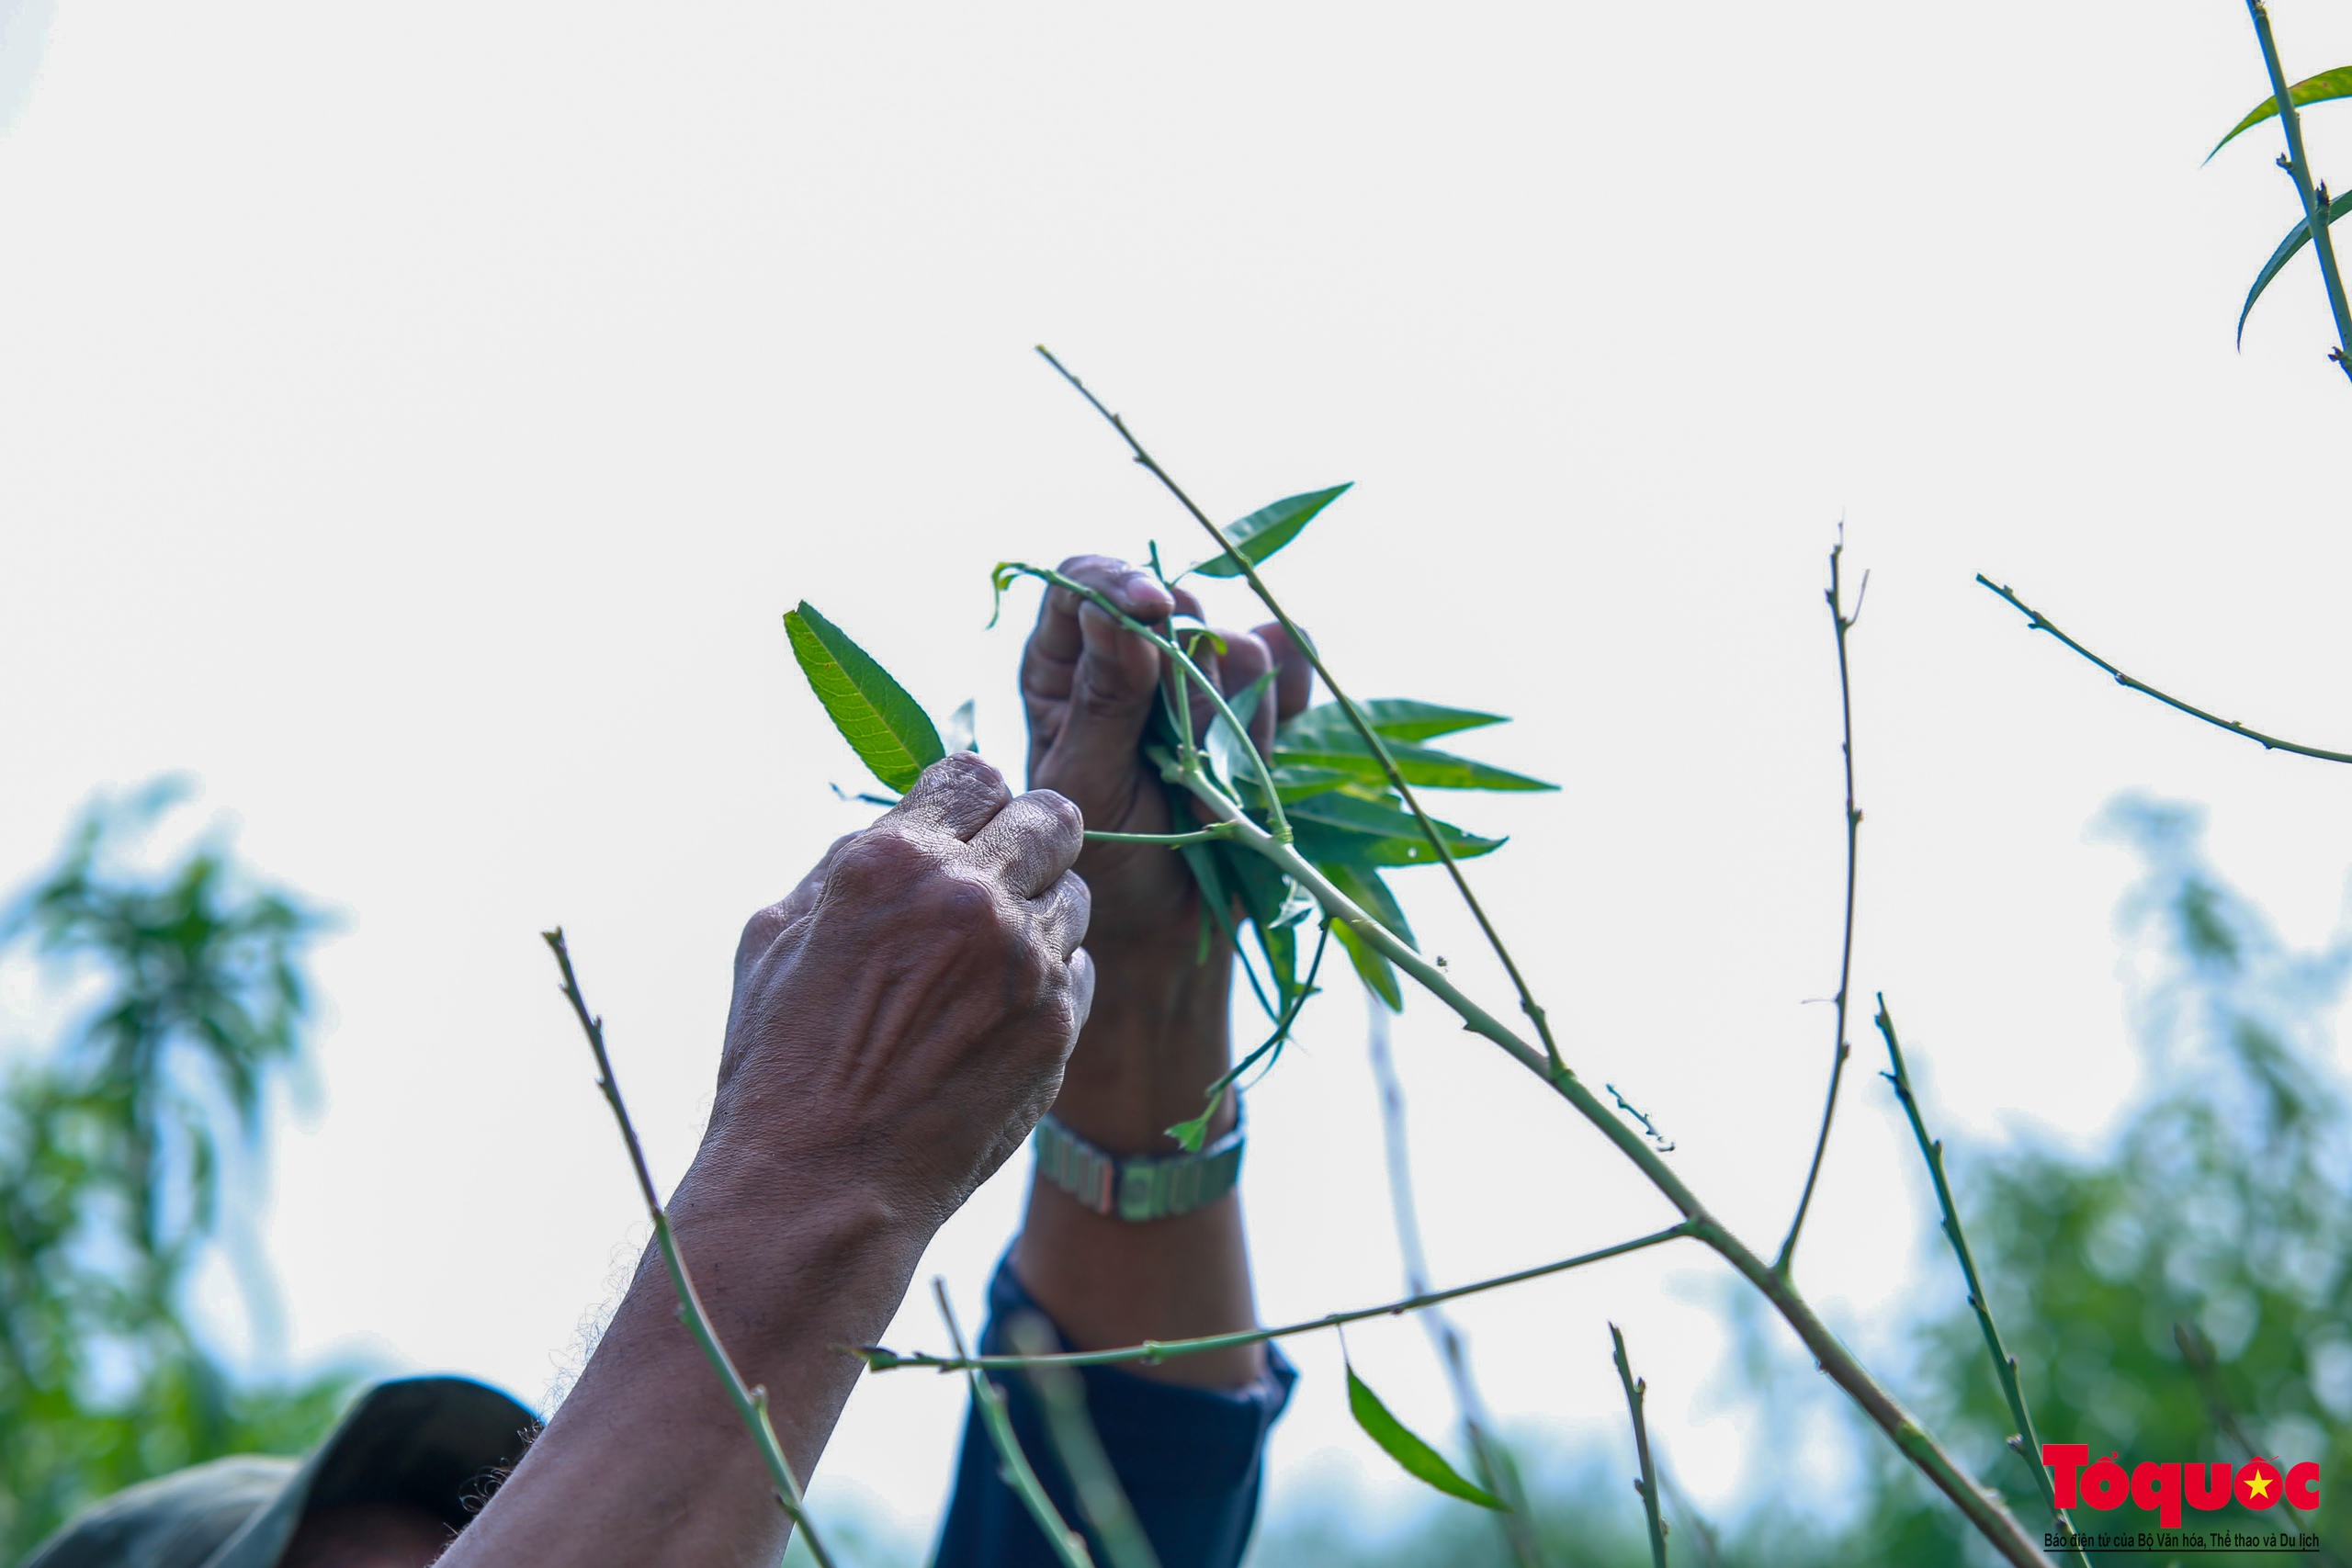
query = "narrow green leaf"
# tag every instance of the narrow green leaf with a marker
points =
(1395, 718)
(1268, 529)
(2335, 84)
(1232, 752)
(1348, 828)
(1399, 1442)
(2297, 238)
(1376, 969)
(1264, 894)
(1190, 1135)
(886, 728)
(1296, 783)
(1363, 884)
(1000, 577)
(1422, 765)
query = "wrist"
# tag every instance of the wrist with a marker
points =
(775, 1225)
(1159, 1036)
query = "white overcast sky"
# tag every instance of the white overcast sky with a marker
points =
(413, 420)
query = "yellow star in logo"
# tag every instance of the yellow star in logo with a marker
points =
(2258, 1486)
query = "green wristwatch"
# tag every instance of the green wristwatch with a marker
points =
(1140, 1189)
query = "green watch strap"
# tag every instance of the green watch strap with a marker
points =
(1140, 1189)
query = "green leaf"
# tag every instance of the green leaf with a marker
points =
(1264, 894)
(1421, 765)
(1190, 1135)
(1268, 529)
(2297, 238)
(1375, 970)
(2335, 84)
(1234, 753)
(1367, 832)
(1296, 783)
(1363, 885)
(1395, 718)
(1000, 577)
(1419, 1461)
(885, 727)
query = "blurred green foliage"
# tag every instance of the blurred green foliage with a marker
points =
(112, 1139)
(2186, 1286)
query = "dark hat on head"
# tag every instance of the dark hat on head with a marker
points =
(438, 1444)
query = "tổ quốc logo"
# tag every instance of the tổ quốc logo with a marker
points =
(2078, 1481)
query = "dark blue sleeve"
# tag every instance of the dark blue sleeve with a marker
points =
(1191, 1461)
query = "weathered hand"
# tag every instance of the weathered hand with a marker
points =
(901, 1019)
(1089, 686)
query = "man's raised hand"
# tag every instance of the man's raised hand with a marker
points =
(1089, 686)
(901, 1019)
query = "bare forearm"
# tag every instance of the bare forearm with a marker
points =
(647, 1463)
(1157, 1037)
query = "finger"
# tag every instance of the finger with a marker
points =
(1294, 682)
(760, 933)
(1113, 688)
(1062, 911)
(959, 794)
(1050, 663)
(1032, 841)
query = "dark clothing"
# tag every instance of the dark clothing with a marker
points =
(1190, 1460)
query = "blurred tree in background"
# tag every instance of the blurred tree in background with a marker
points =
(2180, 1295)
(111, 1167)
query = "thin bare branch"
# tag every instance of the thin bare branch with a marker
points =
(2037, 621)
(1156, 1351)
(1062, 1395)
(1496, 1473)
(751, 1402)
(1844, 624)
(2027, 1442)
(1013, 1465)
(1636, 1390)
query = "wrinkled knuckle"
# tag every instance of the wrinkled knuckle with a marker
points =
(967, 776)
(881, 861)
(960, 906)
(1029, 966)
(1078, 902)
(1063, 820)
(760, 931)
(1087, 569)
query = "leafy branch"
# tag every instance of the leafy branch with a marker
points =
(1335, 885)
(2313, 194)
(1246, 562)
(2037, 621)
(2027, 1442)
(751, 1402)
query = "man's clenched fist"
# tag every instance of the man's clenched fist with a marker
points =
(901, 1019)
